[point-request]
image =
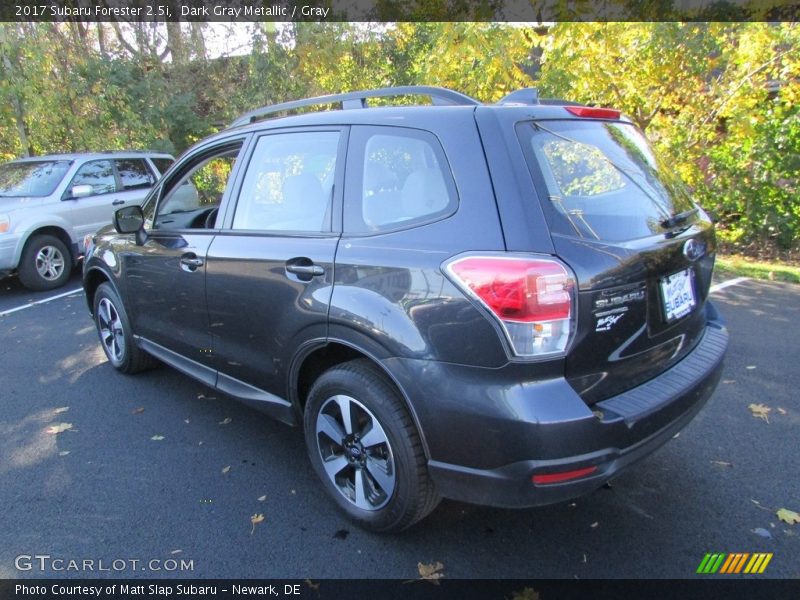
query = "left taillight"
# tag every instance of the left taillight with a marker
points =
(533, 299)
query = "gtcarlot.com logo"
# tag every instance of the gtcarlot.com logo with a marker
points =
(729, 563)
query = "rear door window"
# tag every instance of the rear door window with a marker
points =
(134, 174)
(601, 179)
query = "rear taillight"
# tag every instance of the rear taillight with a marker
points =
(591, 112)
(532, 299)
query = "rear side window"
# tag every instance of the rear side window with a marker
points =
(400, 179)
(134, 174)
(601, 179)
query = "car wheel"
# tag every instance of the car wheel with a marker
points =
(116, 335)
(46, 263)
(366, 450)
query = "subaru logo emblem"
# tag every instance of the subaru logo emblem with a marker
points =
(693, 249)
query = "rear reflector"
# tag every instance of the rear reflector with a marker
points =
(545, 478)
(590, 112)
(532, 298)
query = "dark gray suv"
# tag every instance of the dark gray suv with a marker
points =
(502, 304)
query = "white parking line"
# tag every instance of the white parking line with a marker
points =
(24, 306)
(722, 285)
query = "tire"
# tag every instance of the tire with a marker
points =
(381, 455)
(116, 334)
(45, 264)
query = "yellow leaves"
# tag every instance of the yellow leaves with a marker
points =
(760, 411)
(526, 594)
(255, 520)
(59, 428)
(431, 572)
(788, 516)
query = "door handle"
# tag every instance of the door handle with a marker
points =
(190, 262)
(117, 202)
(310, 270)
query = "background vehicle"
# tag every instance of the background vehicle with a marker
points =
(502, 304)
(48, 204)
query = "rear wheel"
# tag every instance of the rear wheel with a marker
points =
(45, 264)
(366, 450)
(116, 335)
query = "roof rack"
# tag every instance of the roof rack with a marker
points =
(439, 97)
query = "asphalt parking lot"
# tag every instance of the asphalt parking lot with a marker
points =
(99, 466)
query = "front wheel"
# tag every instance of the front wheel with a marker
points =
(116, 335)
(366, 450)
(45, 264)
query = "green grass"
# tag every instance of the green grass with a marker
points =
(739, 266)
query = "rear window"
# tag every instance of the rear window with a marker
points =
(602, 180)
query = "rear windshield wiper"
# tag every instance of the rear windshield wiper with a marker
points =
(679, 219)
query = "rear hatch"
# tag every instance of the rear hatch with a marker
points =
(641, 250)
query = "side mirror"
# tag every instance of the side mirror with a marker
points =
(79, 191)
(131, 220)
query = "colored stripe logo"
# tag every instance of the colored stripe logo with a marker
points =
(734, 562)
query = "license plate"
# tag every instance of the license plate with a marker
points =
(677, 294)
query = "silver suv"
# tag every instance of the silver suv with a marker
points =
(48, 204)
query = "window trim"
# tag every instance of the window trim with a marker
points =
(354, 180)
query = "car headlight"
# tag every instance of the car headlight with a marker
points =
(5, 223)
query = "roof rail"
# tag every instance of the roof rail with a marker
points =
(439, 97)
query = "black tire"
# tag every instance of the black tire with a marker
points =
(46, 263)
(116, 334)
(383, 445)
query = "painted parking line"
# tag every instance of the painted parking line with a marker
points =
(24, 306)
(724, 284)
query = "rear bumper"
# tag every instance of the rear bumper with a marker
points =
(485, 446)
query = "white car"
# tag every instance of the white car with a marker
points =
(48, 204)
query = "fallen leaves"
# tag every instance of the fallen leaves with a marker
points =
(60, 410)
(58, 428)
(255, 520)
(226, 470)
(762, 532)
(760, 411)
(431, 572)
(526, 594)
(225, 421)
(157, 438)
(63, 453)
(788, 516)
(721, 463)
(137, 411)
(262, 498)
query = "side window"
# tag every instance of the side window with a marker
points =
(99, 174)
(190, 199)
(404, 180)
(289, 183)
(134, 174)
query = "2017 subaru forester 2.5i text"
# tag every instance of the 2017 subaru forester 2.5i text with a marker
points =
(502, 304)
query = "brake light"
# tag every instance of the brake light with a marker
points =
(532, 298)
(591, 112)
